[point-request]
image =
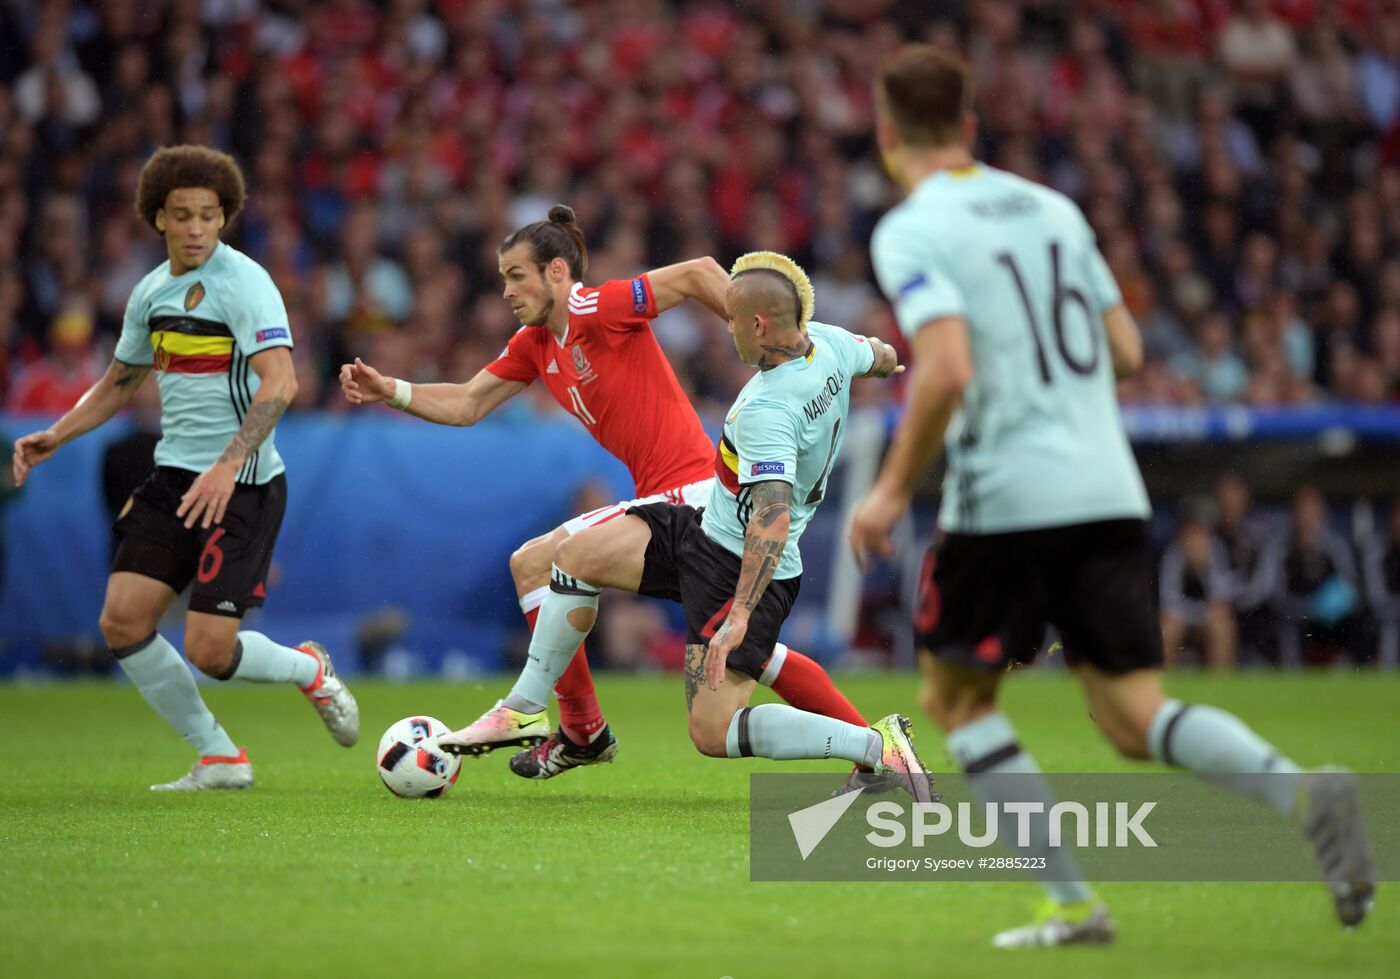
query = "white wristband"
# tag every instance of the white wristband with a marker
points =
(403, 394)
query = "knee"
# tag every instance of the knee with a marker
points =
(122, 628)
(530, 562)
(575, 556)
(210, 652)
(709, 736)
(570, 556)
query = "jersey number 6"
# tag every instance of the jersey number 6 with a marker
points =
(1061, 295)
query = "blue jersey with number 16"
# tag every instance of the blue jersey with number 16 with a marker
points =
(1038, 441)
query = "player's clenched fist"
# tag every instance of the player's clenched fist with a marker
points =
(32, 450)
(363, 385)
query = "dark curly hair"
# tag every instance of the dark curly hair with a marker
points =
(176, 167)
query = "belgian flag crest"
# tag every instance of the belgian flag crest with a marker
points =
(194, 296)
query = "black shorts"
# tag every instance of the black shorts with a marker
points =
(684, 565)
(228, 563)
(986, 598)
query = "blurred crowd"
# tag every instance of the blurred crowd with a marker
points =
(1238, 161)
(1240, 583)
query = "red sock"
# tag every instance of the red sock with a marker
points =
(580, 717)
(805, 685)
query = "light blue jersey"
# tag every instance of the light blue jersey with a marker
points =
(198, 331)
(787, 424)
(1038, 441)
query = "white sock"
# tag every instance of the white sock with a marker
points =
(260, 660)
(785, 733)
(1210, 741)
(160, 673)
(554, 642)
(999, 771)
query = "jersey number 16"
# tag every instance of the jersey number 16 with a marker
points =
(1062, 295)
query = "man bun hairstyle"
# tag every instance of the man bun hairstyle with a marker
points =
(557, 237)
(182, 167)
(775, 264)
(927, 93)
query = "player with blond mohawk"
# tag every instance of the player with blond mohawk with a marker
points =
(789, 270)
(734, 563)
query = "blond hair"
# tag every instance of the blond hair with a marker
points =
(788, 269)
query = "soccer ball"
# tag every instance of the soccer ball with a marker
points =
(410, 765)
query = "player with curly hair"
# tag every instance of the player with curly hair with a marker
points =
(210, 322)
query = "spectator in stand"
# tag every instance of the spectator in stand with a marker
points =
(55, 382)
(1258, 51)
(1385, 344)
(1196, 590)
(1316, 594)
(365, 292)
(1213, 366)
(54, 91)
(1378, 73)
(57, 263)
(1383, 589)
(1244, 541)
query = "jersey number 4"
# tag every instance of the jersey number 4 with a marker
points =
(1061, 296)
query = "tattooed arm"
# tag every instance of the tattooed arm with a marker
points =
(279, 386)
(886, 359)
(764, 540)
(210, 493)
(103, 400)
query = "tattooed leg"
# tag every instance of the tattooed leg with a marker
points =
(710, 712)
(695, 654)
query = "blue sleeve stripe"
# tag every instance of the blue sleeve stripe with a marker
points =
(911, 285)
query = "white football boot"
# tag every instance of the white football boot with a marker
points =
(331, 697)
(1087, 923)
(213, 773)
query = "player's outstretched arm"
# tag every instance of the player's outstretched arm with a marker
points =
(886, 359)
(702, 279)
(765, 537)
(103, 400)
(1124, 341)
(208, 496)
(942, 370)
(444, 404)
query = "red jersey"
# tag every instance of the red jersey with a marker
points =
(610, 373)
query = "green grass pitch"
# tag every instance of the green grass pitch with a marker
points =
(638, 868)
